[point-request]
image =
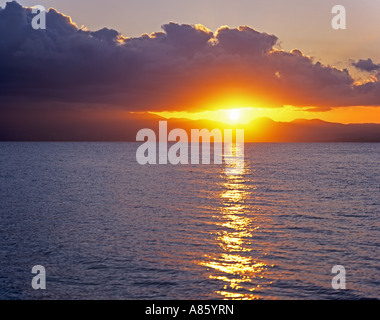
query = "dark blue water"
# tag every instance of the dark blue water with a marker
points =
(105, 227)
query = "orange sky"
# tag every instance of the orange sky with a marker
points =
(288, 113)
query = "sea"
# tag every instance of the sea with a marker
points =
(104, 226)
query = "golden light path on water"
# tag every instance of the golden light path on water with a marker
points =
(234, 265)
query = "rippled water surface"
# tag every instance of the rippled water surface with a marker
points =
(105, 227)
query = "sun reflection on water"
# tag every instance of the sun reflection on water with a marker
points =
(234, 264)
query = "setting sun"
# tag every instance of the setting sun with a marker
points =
(234, 114)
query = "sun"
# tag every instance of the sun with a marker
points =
(234, 114)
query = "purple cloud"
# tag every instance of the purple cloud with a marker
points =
(366, 65)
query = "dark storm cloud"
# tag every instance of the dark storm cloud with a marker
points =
(366, 65)
(170, 70)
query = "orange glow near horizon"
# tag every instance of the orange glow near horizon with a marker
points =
(244, 115)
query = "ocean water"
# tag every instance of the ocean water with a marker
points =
(105, 227)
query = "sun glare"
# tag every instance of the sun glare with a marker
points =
(234, 114)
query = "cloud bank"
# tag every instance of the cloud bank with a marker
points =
(183, 67)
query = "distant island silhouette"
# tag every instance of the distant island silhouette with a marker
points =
(81, 127)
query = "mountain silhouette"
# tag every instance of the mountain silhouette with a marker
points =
(124, 126)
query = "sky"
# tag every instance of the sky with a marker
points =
(302, 24)
(190, 70)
